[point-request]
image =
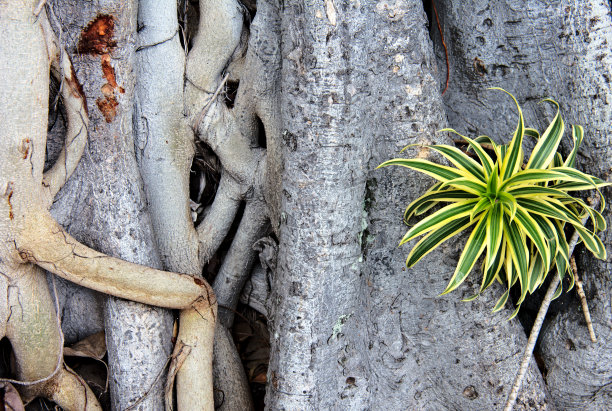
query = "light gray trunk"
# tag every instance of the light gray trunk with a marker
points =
(557, 49)
(103, 205)
(358, 85)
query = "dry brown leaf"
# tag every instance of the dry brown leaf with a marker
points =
(9, 398)
(93, 346)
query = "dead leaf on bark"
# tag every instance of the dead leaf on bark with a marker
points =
(9, 398)
(93, 346)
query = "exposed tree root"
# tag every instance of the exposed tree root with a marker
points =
(33, 239)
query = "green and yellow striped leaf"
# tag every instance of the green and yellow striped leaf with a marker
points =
(501, 302)
(537, 272)
(440, 173)
(480, 206)
(440, 218)
(546, 148)
(494, 233)
(471, 185)
(513, 158)
(492, 272)
(473, 248)
(435, 238)
(485, 159)
(518, 252)
(509, 202)
(532, 229)
(577, 137)
(532, 133)
(460, 160)
(435, 197)
(555, 209)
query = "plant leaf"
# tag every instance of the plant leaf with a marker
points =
(435, 197)
(501, 302)
(485, 159)
(494, 233)
(577, 137)
(435, 238)
(460, 160)
(518, 252)
(492, 272)
(513, 158)
(544, 151)
(473, 248)
(480, 206)
(440, 218)
(532, 229)
(440, 173)
(471, 185)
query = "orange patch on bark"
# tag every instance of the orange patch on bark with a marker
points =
(108, 107)
(108, 70)
(76, 87)
(97, 37)
(8, 200)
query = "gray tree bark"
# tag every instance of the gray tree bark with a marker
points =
(558, 49)
(103, 205)
(359, 83)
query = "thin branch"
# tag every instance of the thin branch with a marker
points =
(209, 103)
(583, 300)
(537, 325)
(433, 3)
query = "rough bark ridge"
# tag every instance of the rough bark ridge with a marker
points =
(359, 76)
(561, 50)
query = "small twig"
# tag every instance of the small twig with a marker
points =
(148, 392)
(537, 325)
(433, 3)
(180, 354)
(583, 300)
(210, 101)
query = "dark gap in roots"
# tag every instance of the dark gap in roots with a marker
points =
(6, 359)
(203, 179)
(231, 89)
(188, 18)
(428, 7)
(250, 333)
(261, 134)
(251, 6)
(56, 126)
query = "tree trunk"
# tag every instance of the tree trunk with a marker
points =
(535, 50)
(358, 85)
(103, 205)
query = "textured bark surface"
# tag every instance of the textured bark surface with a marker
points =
(103, 205)
(558, 49)
(358, 85)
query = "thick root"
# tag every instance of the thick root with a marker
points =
(194, 385)
(43, 242)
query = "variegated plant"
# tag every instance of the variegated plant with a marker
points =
(518, 210)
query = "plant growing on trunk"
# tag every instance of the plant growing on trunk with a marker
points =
(518, 210)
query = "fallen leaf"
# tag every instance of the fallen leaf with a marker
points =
(9, 398)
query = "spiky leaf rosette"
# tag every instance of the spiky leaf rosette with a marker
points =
(517, 211)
